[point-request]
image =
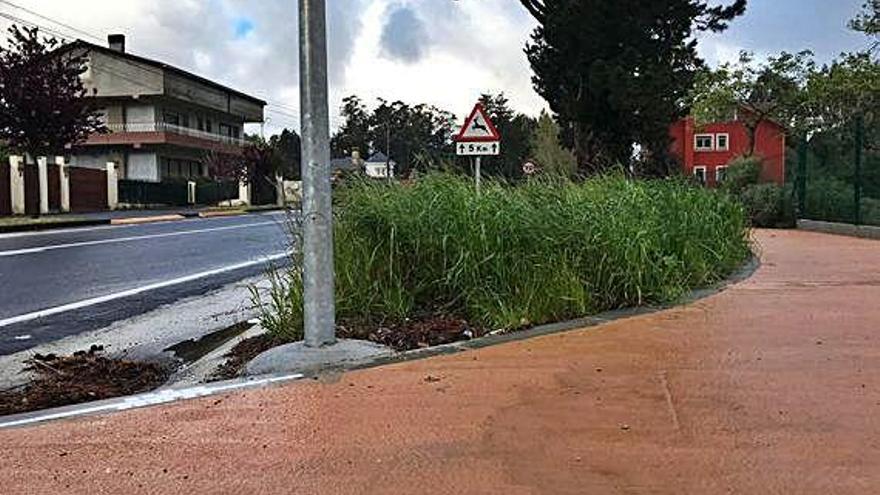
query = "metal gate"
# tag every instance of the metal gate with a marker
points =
(88, 189)
(54, 178)
(31, 190)
(143, 193)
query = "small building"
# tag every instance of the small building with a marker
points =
(353, 163)
(162, 119)
(379, 166)
(706, 151)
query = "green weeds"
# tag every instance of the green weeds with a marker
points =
(519, 255)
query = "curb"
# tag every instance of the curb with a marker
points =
(834, 228)
(145, 220)
(743, 273)
(201, 370)
(155, 398)
(239, 212)
(165, 395)
(215, 214)
(36, 227)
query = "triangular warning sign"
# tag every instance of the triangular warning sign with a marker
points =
(478, 128)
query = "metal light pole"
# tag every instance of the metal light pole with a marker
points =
(478, 174)
(857, 180)
(318, 273)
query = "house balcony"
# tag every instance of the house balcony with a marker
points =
(158, 133)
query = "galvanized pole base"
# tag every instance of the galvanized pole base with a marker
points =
(478, 174)
(318, 273)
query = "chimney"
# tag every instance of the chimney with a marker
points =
(116, 42)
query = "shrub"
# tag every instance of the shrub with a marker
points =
(829, 199)
(742, 172)
(529, 254)
(871, 211)
(768, 205)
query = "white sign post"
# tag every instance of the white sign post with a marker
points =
(478, 138)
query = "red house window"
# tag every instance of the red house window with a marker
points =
(704, 142)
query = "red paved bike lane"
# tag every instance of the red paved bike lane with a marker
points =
(772, 386)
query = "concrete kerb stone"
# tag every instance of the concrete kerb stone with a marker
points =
(745, 272)
(298, 358)
(203, 369)
(158, 397)
(146, 220)
(862, 231)
(222, 213)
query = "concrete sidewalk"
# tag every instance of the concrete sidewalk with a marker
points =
(770, 387)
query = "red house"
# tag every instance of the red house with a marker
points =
(706, 151)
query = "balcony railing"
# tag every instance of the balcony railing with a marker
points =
(174, 129)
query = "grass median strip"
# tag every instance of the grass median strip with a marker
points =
(514, 256)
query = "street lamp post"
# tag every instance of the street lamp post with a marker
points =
(318, 273)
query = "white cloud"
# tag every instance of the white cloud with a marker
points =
(475, 46)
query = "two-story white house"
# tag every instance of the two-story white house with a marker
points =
(162, 119)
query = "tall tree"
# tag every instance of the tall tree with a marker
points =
(516, 131)
(868, 22)
(44, 106)
(354, 134)
(617, 72)
(547, 150)
(412, 136)
(754, 92)
(287, 147)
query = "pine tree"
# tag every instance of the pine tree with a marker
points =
(516, 132)
(547, 151)
(617, 72)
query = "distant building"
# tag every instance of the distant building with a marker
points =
(353, 163)
(379, 166)
(705, 152)
(162, 119)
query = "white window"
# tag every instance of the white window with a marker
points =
(704, 142)
(720, 174)
(700, 174)
(722, 142)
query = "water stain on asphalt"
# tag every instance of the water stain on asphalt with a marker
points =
(190, 351)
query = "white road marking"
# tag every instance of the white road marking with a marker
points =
(23, 337)
(138, 290)
(13, 235)
(149, 399)
(43, 249)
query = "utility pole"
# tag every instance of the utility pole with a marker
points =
(388, 148)
(857, 178)
(319, 311)
(802, 176)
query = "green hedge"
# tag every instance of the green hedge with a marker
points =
(520, 255)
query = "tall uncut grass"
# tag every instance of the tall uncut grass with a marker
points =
(525, 254)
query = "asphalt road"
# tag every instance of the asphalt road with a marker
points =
(54, 284)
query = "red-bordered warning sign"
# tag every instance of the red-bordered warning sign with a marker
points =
(478, 128)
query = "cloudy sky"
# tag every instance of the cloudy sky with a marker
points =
(442, 52)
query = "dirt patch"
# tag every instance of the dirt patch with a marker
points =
(243, 352)
(411, 334)
(86, 376)
(429, 331)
